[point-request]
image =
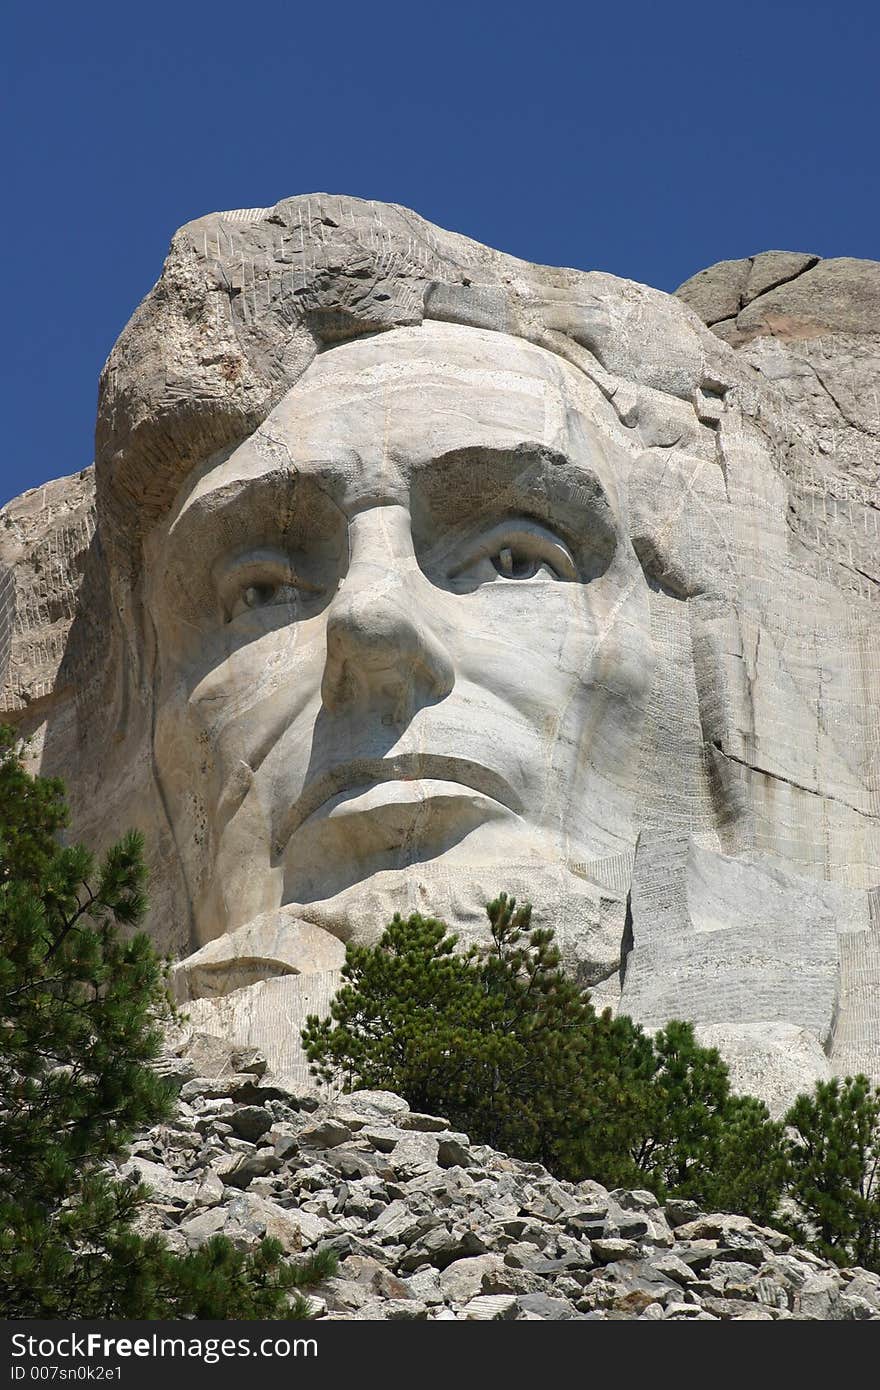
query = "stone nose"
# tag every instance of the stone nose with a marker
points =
(381, 648)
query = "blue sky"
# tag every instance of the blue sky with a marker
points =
(641, 138)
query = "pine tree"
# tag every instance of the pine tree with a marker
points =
(698, 1140)
(748, 1170)
(500, 1041)
(834, 1152)
(683, 1115)
(497, 1039)
(81, 999)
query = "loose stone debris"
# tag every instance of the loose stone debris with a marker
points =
(427, 1225)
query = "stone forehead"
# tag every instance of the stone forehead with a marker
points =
(494, 384)
(375, 409)
(247, 300)
(460, 348)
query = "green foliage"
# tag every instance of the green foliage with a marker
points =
(748, 1170)
(683, 1110)
(504, 1044)
(498, 1039)
(404, 1016)
(699, 1141)
(834, 1152)
(80, 1004)
(32, 810)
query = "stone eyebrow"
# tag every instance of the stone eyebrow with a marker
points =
(280, 508)
(459, 492)
(526, 475)
(279, 497)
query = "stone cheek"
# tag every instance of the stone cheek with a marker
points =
(422, 573)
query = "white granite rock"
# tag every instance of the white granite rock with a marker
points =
(409, 572)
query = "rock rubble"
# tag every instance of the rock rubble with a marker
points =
(427, 1225)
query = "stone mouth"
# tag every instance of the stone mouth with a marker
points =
(409, 777)
(402, 804)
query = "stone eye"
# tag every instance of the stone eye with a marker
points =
(516, 549)
(258, 595)
(259, 578)
(516, 563)
(254, 597)
(525, 550)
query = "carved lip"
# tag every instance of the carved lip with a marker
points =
(363, 773)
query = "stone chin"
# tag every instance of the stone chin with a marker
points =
(303, 940)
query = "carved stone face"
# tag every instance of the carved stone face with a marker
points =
(400, 625)
(587, 614)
